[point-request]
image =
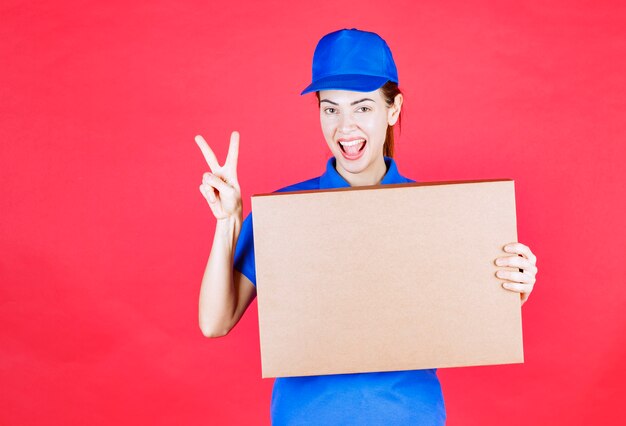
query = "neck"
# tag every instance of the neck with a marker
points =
(373, 175)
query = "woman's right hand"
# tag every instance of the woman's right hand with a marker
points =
(220, 187)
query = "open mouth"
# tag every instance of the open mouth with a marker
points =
(352, 148)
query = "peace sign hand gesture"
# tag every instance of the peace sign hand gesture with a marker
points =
(220, 187)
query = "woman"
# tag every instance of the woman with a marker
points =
(356, 83)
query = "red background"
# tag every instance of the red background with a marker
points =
(104, 234)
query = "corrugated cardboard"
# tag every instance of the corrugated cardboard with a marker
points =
(385, 278)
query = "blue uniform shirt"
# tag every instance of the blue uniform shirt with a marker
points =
(398, 398)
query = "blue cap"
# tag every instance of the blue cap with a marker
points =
(352, 60)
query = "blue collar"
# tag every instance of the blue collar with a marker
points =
(332, 179)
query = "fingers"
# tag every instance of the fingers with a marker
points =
(212, 183)
(525, 289)
(215, 182)
(233, 150)
(523, 281)
(522, 249)
(517, 262)
(209, 193)
(207, 152)
(517, 277)
(517, 287)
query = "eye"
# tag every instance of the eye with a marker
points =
(363, 109)
(329, 110)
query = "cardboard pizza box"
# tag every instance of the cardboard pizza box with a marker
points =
(385, 278)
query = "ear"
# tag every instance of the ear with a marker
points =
(394, 110)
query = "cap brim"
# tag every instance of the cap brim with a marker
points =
(352, 82)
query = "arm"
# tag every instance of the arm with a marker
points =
(225, 293)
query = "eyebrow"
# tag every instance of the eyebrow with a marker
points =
(352, 103)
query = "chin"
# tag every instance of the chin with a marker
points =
(354, 167)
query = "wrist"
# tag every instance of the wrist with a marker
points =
(234, 220)
(229, 227)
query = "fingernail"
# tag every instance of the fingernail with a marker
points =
(507, 248)
(499, 262)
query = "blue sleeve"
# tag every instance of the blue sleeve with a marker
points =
(244, 251)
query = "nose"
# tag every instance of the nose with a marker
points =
(346, 123)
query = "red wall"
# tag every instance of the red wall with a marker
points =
(104, 234)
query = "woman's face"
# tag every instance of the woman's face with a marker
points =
(354, 126)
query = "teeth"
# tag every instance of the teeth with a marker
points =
(352, 143)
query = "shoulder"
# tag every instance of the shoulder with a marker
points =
(313, 183)
(393, 174)
(405, 179)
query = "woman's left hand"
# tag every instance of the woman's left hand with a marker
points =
(523, 281)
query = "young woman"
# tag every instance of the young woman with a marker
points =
(356, 83)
